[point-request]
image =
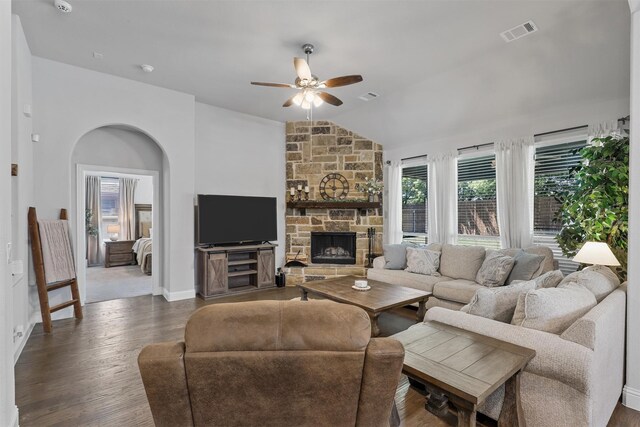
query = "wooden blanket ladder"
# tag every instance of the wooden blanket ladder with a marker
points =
(41, 281)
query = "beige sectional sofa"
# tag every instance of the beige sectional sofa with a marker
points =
(458, 268)
(576, 377)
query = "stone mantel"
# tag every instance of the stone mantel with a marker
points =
(313, 150)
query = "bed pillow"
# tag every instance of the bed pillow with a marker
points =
(395, 256)
(495, 269)
(525, 267)
(423, 261)
(497, 303)
(553, 309)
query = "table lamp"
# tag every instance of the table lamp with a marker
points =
(113, 230)
(596, 253)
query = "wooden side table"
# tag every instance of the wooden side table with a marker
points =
(119, 252)
(464, 368)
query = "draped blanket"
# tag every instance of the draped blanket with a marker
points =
(56, 250)
(142, 247)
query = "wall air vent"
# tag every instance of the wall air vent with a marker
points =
(369, 96)
(519, 31)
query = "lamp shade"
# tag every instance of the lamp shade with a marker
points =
(113, 228)
(596, 253)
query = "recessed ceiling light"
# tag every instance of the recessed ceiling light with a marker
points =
(62, 6)
(147, 68)
(98, 55)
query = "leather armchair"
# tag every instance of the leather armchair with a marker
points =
(273, 363)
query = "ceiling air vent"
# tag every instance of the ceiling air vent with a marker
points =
(369, 96)
(519, 31)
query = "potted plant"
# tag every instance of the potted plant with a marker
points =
(371, 187)
(597, 208)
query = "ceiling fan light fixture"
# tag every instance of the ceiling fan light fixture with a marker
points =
(305, 104)
(309, 96)
(317, 101)
(298, 99)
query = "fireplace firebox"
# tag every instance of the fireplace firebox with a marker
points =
(333, 247)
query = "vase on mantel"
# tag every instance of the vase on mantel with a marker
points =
(372, 198)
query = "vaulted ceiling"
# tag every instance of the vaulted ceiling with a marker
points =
(424, 58)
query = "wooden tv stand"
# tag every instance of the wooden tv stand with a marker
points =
(228, 269)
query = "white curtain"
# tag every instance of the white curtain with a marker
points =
(443, 198)
(93, 207)
(126, 213)
(393, 202)
(604, 129)
(515, 168)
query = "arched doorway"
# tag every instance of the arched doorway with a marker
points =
(128, 240)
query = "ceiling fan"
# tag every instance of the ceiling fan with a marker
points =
(310, 85)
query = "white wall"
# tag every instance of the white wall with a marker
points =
(144, 191)
(8, 410)
(21, 187)
(555, 118)
(110, 146)
(239, 154)
(631, 395)
(68, 103)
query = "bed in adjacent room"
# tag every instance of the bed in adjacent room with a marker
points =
(143, 246)
(143, 249)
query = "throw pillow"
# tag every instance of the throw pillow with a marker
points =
(395, 256)
(552, 309)
(423, 261)
(550, 279)
(525, 267)
(598, 279)
(495, 269)
(497, 303)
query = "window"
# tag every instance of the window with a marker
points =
(414, 203)
(110, 202)
(477, 208)
(553, 174)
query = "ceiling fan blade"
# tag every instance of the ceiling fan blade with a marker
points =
(272, 84)
(342, 81)
(288, 102)
(329, 99)
(302, 69)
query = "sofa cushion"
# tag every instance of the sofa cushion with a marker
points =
(547, 263)
(404, 278)
(495, 269)
(423, 261)
(552, 309)
(550, 279)
(395, 256)
(526, 267)
(598, 279)
(497, 303)
(458, 290)
(461, 262)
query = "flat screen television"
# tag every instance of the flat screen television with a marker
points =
(235, 219)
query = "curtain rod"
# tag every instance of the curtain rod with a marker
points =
(624, 120)
(388, 162)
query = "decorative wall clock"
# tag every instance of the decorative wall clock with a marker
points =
(334, 186)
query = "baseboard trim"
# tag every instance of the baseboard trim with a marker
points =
(15, 417)
(180, 295)
(631, 398)
(23, 342)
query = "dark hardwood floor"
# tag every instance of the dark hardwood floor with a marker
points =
(85, 373)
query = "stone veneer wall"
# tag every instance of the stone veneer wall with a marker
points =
(315, 149)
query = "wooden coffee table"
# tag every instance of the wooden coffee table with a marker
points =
(465, 368)
(381, 297)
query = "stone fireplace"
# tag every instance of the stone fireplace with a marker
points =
(314, 150)
(333, 247)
